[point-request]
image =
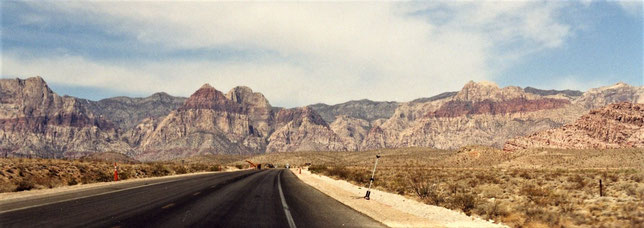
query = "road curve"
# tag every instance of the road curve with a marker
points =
(268, 198)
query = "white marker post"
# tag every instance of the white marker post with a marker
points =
(371, 181)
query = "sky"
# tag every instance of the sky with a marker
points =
(300, 53)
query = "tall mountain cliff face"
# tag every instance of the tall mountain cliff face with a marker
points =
(127, 112)
(34, 121)
(207, 123)
(484, 114)
(602, 96)
(259, 111)
(351, 131)
(302, 129)
(361, 109)
(613, 126)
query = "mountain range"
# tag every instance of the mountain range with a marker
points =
(37, 122)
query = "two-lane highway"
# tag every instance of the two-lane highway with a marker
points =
(268, 198)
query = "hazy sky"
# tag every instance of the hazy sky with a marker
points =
(303, 53)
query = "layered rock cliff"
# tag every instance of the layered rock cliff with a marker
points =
(612, 126)
(34, 121)
(602, 96)
(127, 112)
(484, 114)
(361, 109)
(207, 123)
(302, 129)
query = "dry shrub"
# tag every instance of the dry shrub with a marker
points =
(318, 168)
(339, 171)
(577, 181)
(215, 168)
(541, 215)
(464, 202)
(180, 169)
(427, 192)
(490, 190)
(25, 184)
(487, 178)
(198, 167)
(159, 170)
(492, 210)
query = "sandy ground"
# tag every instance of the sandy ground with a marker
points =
(60, 190)
(391, 209)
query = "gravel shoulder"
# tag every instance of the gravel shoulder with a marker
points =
(390, 209)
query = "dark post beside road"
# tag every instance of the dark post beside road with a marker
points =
(371, 180)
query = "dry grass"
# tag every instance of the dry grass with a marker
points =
(534, 188)
(516, 197)
(20, 174)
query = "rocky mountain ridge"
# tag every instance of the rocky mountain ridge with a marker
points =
(127, 112)
(361, 109)
(613, 126)
(37, 122)
(484, 114)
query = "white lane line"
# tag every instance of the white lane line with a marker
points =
(291, 223)
(83, 197)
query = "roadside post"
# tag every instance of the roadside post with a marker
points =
(371, 180)
(116, 173)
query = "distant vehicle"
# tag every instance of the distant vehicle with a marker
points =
(288, 166)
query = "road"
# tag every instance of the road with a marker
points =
(252, 198)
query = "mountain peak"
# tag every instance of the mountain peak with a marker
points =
(207, 97)
(206, 86)
(478, 91)
(245, 96)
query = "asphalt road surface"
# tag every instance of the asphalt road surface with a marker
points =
(267, 198)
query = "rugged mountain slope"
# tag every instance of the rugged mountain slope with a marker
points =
(207, 123)
(361, 109)
(568, 93)
(259, 111)
(602, 96)
(302, 129)
(34, 121)
(351, 130)
(613, 126)
(127, 112)
(481, 113)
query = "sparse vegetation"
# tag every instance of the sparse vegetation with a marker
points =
(21, 174)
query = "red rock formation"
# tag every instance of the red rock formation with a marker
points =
(613, 126)
(456, 108)
(207, 97)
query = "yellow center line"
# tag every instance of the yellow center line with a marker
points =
(168, 206)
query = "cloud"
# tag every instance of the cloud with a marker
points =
(310, 52)
(632, 7)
